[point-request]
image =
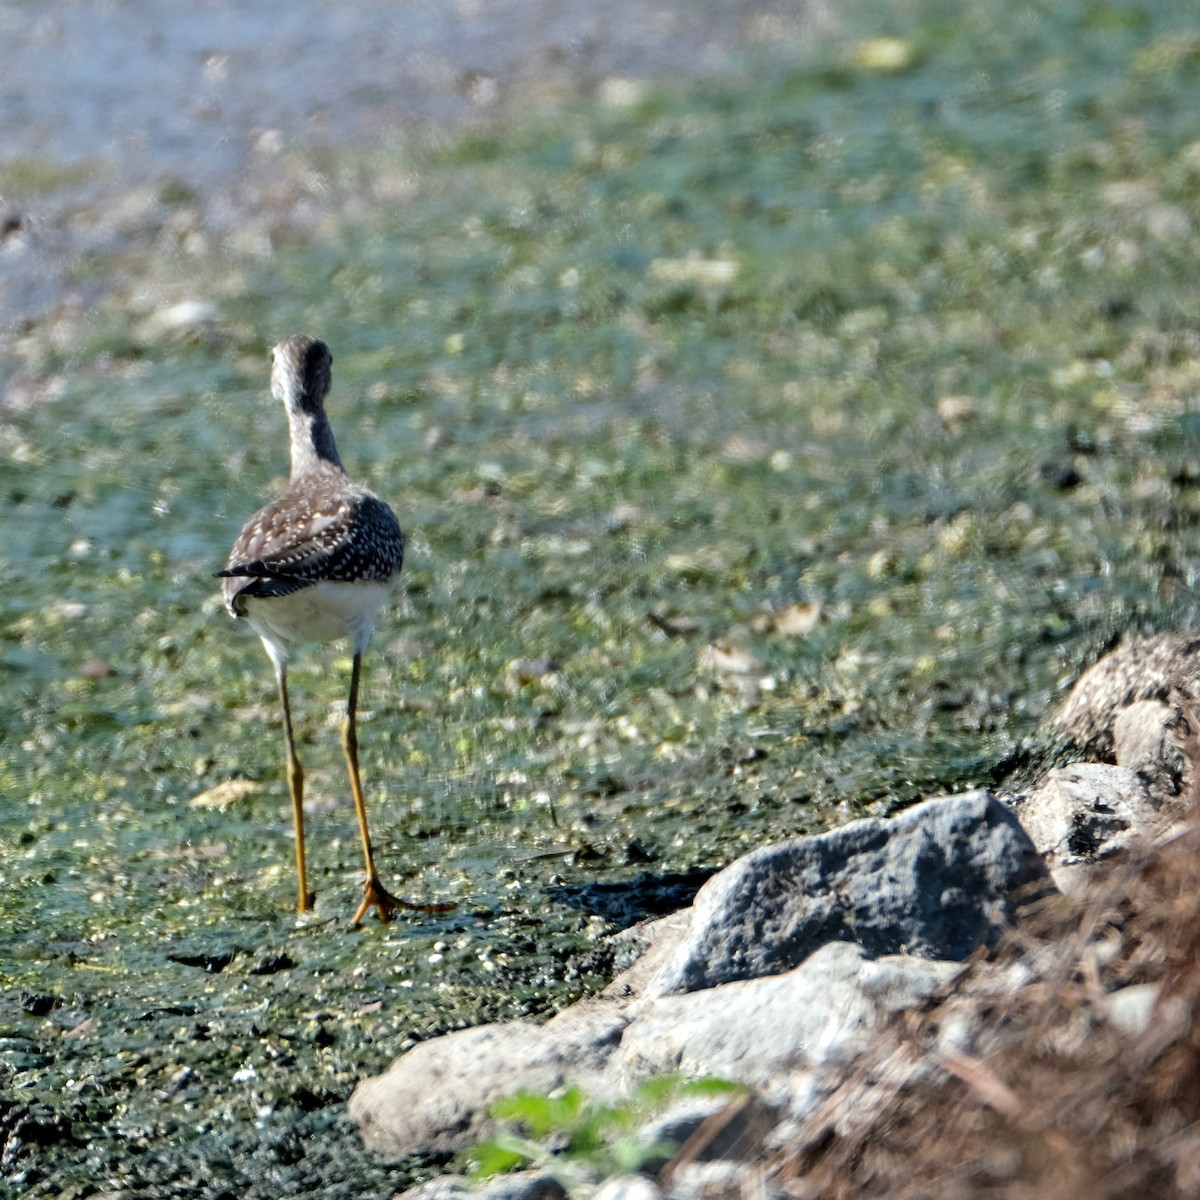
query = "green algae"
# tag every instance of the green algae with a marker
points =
(771, 453)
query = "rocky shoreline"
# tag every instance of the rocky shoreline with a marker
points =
(796, 963)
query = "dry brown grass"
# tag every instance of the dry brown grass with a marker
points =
(1056, 1101)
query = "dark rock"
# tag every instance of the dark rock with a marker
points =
(272, 964)
(937, 881)
(1063, 476)
(214, 964)
(38, 1004)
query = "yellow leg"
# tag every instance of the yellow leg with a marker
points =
(375, 894)
(295, 778)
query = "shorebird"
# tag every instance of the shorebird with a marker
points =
(314, 566)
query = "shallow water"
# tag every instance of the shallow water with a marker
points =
(199, 94)
(155, 86)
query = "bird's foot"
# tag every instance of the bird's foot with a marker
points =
(376, 896)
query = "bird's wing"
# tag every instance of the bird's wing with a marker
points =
(309, 536)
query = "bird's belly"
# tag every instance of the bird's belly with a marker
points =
(322, 612)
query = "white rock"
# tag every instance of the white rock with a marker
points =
(180, 320)
(436, 1096)
(1131, 1008)
(770, 1033)
(628, 1187)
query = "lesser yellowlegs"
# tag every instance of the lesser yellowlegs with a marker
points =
(314, 566)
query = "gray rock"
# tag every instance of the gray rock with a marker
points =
(819, 1016)
(939, 880)
(1082, 813)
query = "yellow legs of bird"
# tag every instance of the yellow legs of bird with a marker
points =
(295, 778)
(375, 895)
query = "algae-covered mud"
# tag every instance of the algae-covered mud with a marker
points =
(770, 451)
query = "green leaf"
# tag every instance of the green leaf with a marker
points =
(499, 1155)
(540, 1115)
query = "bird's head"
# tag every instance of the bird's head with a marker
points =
(301, 372)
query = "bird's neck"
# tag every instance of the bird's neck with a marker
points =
(312, 443)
